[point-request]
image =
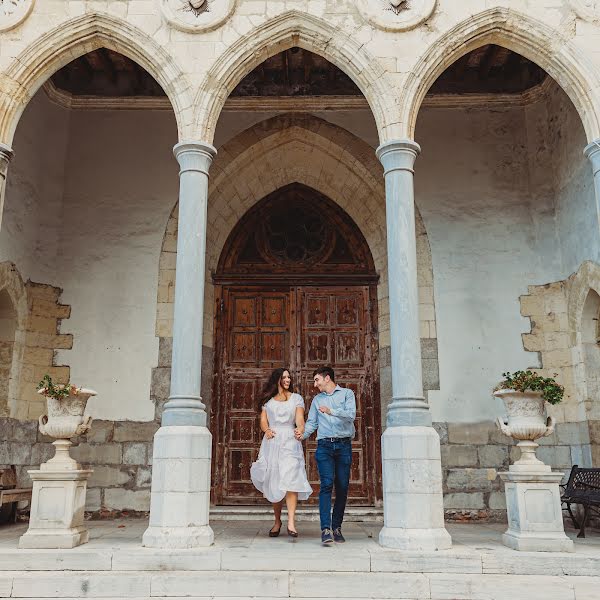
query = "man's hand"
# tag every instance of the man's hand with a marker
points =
(325, 409)
(298, 433)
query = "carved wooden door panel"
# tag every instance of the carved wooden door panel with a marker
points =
(256, 339)
(335, 329)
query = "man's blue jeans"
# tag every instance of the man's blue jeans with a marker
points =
(334, 459)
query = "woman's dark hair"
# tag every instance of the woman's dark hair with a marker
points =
(272, 386)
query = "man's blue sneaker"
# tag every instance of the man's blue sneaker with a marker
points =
(326, 537)
(337, 536)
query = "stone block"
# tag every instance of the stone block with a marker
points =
(97, 454)
(24, 431)
(493, 456)
(134, 453)
(15, 453)
(429, 348)
(165, 350)
(469, 433)
(594, 431)
(581, 455)
(93, 500)
(107, 476)
(463, 500)
(442, 431)
(431, 373)
(470, 479)
(120, 499)
(497, 501)
(143, 477)
(572, 434)
(459, 456)
(100, 433)
(161, 382)
(133, 431)
(558, 457)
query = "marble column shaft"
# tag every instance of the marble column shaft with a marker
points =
(592, 152)
(6, 155)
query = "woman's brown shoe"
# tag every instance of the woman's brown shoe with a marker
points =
(275, 532)
(291, 533)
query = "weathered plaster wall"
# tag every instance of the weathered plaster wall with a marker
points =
(472, 188)
(31, 220)
(120, 185)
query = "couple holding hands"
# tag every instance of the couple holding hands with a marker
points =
(280, 471)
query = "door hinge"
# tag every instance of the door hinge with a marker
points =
(221, 305)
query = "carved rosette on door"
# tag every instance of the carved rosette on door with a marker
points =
(296, 287)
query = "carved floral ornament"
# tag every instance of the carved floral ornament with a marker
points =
(13, 12)
(197, 15)
(396, 15)
(589, 10)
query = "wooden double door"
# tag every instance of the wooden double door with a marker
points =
(259, 329)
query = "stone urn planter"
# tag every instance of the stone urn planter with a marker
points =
(64, 420)
(527, 421)
(60, 485)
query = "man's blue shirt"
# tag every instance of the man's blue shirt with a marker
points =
(340, 423)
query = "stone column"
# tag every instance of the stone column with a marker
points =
(592, 151)
(412, 473)
(6, 155)
(180, 498)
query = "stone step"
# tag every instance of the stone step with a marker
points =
(284, 584)
(353, 514)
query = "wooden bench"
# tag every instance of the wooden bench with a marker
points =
(10, 495)
(583, 488)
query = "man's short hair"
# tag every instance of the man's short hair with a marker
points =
(323, 371)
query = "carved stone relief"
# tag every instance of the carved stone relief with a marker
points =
(589, 10)
(13, 12)
(197, 15)
(396, 15)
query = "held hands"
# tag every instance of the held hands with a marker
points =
(269, 434)
(298, 433)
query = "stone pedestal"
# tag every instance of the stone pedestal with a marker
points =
(180, 497)
(535, 522)
(412, 490)
(57, 505)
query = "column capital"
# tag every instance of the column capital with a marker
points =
(6, 154)
(194, 156)
(398, 155)
(592, 152)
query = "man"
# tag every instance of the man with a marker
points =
(332, 414)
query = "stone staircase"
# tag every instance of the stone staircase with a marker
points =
(353, 514)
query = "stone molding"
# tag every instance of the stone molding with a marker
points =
(588, 10)
(14, 12)
(396, 15)
(299, 104)
(209, 14)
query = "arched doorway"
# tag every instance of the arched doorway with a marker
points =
(296, 286)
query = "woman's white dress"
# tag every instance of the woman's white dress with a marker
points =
(280, 465)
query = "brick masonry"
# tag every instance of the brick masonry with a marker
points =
(120, 453)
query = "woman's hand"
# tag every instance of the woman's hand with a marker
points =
(269, 434)
(299, 432)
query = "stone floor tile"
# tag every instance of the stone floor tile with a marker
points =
(433, 562)
(150, 559)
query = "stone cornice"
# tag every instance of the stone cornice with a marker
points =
(296, 103)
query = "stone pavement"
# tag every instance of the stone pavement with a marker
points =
(245, 563)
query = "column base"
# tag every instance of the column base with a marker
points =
(180, 495)
(415, 540)
(538, 543)
(57, 505)
(55, 538)
(413, 505)
(178, 537)
(535, 522)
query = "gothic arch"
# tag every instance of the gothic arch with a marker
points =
(76, 37)
(587, 278)
(294, 28)
(506, 27)
(295, 149)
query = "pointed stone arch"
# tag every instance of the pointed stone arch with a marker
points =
(76, 37)
(295, 28)
(538, 42)
(585, 280)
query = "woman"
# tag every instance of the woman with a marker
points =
(279, 471)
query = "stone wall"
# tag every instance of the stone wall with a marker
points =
(121, 455)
